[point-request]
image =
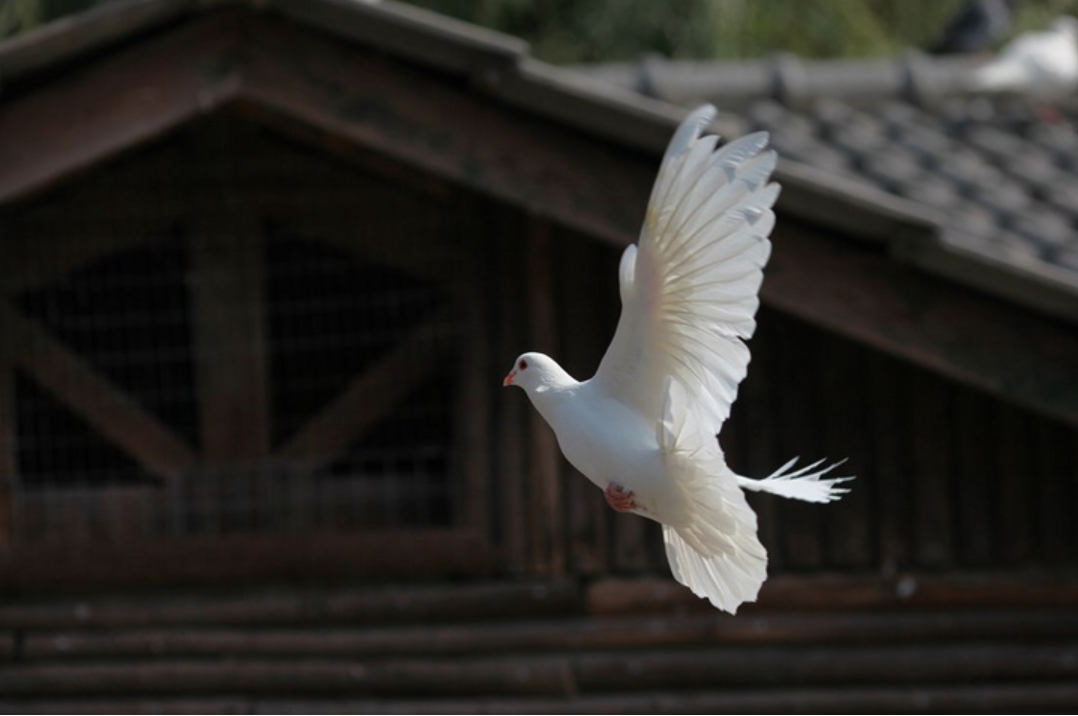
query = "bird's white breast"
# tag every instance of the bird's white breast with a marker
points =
(609, 441)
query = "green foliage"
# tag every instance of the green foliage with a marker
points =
(847, 28)
(578, 31)
(18, 15)
(567, 31)
(572, 31)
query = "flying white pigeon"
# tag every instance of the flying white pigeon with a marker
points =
(644, 427)
(1040, 65)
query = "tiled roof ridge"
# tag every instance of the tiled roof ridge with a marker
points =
(912, 76)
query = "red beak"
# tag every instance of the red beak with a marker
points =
(509, 379)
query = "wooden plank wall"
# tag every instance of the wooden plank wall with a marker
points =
(948, 478)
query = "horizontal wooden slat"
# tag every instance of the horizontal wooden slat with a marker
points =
(551, 635)
(563, 674)
(1000, 698)
(957, 699)
(194, 705)
(517, 676)
(238, 558)
(819, 666)
(614, 595)
(387, 603)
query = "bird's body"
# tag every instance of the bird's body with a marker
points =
(1039, 65)
(609, 442)
(644, 427)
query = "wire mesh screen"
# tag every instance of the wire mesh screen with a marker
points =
(202, 363)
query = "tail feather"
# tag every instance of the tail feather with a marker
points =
(803, 484)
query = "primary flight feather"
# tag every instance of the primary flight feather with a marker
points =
(644, 427)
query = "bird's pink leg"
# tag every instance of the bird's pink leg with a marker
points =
(619, 499)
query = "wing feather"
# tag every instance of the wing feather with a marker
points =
(689, 288)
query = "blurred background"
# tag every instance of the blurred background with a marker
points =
(264, 262)
(564, 32)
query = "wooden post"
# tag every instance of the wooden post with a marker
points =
(229, 319)
(477, 378)
(931, 410)
(1016, 474)
(888, 382)
(798, 429)
(544, 482)
(8, 449)
(229, 329)
(840, 389)
(1055, 478)
(509, 299)
(977, 484)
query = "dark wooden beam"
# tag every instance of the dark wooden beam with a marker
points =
(931, 469)
(777, 667)
(111, 214)
(518, 675)
(128, 98)
(544, 473)
(369, 396)
(228, 313)
(232, 559)
(417, 120)
(554, 632)
(972, 338)
(377, 605)
(107, 514)
(476, 377)
(508, 295)
(1015, 500)
(1040, 697)
(830, 592)
(891, 472)
(9, 464)
(111, 411)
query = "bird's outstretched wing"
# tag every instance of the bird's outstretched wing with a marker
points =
(689, 289)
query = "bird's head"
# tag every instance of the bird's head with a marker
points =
(535, 373)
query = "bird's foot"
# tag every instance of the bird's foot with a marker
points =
(619, 499)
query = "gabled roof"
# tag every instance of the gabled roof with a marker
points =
(498, 66)
(432, 103)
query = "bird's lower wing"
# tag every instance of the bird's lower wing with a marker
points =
(714, 550)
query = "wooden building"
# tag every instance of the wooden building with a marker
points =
(263, 265)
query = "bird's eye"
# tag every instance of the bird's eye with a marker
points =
(523, 364)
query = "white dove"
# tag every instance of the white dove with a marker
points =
(1041, 65)
(644, 427)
